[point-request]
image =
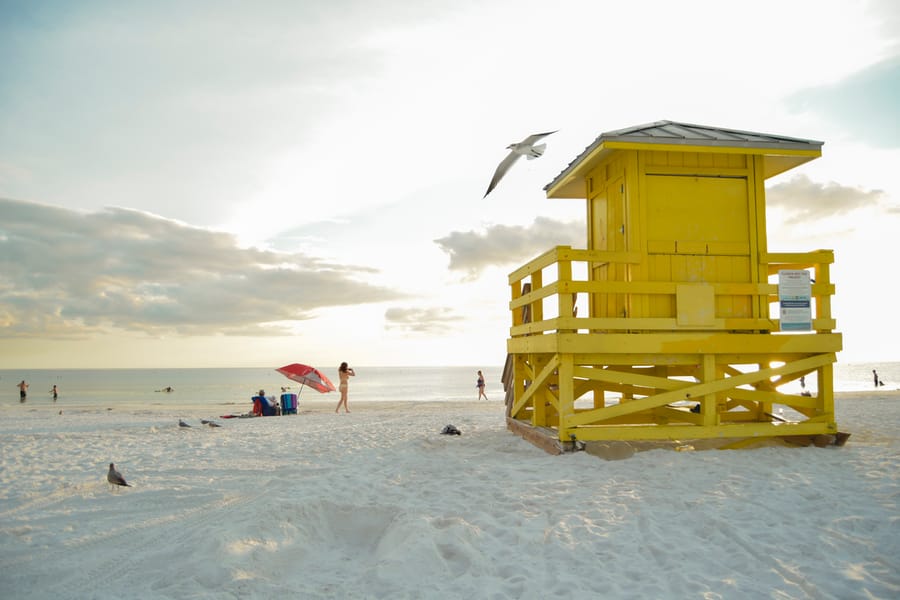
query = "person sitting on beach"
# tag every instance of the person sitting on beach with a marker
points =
(167, 389)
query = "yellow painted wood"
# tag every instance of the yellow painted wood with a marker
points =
(792, 400)
(536, 385)
(694, 389)
(680, 306)
(695, 305)
(689, 432)
(674, 343)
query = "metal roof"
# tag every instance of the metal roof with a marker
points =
(687, 134)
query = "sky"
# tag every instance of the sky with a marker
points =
(217, 184)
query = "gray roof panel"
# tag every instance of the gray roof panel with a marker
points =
(688, 134)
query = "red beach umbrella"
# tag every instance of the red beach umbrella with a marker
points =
(307, 375)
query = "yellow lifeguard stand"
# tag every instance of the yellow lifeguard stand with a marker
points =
(683, 339)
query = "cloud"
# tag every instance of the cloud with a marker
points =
(805, 200)
(498, 245)
(421, 320)
(70, 274)
(865, 104)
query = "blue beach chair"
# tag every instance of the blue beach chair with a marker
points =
(264, 407)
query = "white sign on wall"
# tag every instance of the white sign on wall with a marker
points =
(794, 293)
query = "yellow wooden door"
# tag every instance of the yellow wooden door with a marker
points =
(609, 232)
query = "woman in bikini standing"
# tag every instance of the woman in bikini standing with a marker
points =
(344, 372)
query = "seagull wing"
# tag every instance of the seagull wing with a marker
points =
(531, 139)
(502, 168)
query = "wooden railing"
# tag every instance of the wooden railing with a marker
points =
(533, 296)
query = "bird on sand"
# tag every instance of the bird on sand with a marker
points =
(526, 148)
(181, 423)
(114, 477)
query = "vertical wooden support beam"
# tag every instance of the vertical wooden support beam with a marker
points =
(825, 375)
(636, 200)
(709, 409)
(758, 240)
(660, 371)
(600, 390)
(763, 409)
(566, 393)
(539, 400)
(516, 384)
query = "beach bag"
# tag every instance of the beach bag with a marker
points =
(289, 404)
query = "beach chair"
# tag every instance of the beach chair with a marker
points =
(264, 407)
(288, 404)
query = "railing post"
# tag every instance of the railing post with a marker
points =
(537, 307)
(516, 293)
(565, 301)
(822, 274)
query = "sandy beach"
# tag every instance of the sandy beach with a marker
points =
(379, 504)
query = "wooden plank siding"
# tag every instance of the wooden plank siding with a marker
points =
(678, 298)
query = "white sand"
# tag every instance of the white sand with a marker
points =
(377, 504)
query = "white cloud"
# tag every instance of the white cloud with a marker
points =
(502, 245)
(804, 200)
(64, 273)
(421, 320)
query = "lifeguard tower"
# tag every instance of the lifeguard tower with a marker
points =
(690, 328)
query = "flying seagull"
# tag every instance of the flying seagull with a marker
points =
(524, 148)
(114, 477)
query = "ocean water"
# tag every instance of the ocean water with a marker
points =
(110, 387)
(237, 386)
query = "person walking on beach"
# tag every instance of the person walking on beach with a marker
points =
(875, 377)
(55, 392)
(345, 373)
(23, 391)
(480, 386)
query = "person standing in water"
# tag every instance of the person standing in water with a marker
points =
(55, 392)
(23, 391)
(480, 386)
(345, 373)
